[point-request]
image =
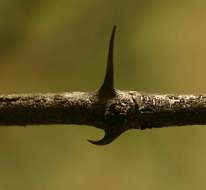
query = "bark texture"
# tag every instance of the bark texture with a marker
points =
(128, 109)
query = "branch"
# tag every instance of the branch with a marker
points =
(127, 110)
(109, 109)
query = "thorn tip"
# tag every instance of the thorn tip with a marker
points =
(110, 136)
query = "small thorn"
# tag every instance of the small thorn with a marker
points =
(108, 137)
(107, 88)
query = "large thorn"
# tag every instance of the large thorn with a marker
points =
(107, 88)
(109, 136)
(107, 91)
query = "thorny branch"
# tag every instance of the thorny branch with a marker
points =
(109, 109)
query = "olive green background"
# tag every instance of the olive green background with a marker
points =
(55, 46)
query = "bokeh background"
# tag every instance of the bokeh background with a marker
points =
(55, 46)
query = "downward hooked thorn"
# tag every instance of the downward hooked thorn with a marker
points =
(107, 88)
(109, 136)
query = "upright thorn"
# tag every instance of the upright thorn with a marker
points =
(107, 88)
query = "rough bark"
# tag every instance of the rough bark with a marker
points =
(128, 109)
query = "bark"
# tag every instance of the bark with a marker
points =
(128, 109)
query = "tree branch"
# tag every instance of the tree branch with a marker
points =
(130, 109)
(127, 110)
(112, 110)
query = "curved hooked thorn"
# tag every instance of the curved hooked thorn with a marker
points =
(109, 136)
(107, 88)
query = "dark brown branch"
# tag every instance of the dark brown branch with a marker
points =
(112, 110)
(128, 109)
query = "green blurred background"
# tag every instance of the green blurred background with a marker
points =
(55, 46)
